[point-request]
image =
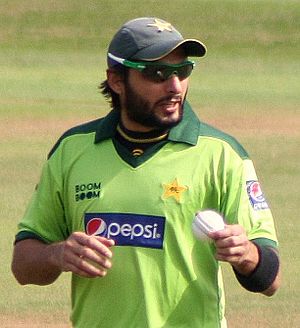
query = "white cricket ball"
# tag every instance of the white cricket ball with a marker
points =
(207, 221)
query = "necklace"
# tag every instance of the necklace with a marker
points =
(140, 140)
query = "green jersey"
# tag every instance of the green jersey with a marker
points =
(162, 276)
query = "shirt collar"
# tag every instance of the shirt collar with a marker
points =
(186, 131)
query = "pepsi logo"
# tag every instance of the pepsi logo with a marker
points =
(95, 226)
(127, 229)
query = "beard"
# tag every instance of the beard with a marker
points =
(141, 111)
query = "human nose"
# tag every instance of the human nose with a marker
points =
(173, 84)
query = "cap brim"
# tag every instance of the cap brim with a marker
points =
(192, 48)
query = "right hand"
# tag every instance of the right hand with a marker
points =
(84, 255)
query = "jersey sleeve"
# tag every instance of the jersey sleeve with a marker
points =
(245, 203)
(44, 217)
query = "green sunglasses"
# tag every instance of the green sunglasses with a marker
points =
(158, 72)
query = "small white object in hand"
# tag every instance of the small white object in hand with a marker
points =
(207, 221)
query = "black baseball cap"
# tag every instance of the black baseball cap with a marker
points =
(150, 39)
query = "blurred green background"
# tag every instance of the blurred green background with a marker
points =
(52, 59)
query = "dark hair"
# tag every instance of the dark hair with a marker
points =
(111, 96)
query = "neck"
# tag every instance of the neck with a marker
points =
(133, 126)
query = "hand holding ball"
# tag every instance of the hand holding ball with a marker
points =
(205, 222)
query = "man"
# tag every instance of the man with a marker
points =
(117, 197)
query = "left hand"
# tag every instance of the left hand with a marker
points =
(233, 246)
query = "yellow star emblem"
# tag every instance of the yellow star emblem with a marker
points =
(173, 189)
(161, 26)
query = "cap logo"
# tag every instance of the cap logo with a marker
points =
(161, 26)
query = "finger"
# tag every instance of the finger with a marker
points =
(105, 241)
(95, 258)
(231, 242)
(230, 251)
(84, 269)
(224, 233)
(229, 259)
(99, 244)
(84, 266)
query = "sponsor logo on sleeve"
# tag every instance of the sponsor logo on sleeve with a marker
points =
(256, 196)
(127, 229)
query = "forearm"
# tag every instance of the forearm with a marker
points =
(35, 262)
(265, 276)
(275, 285)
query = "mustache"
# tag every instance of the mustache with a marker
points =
(171, 98)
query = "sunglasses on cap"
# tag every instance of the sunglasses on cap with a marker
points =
(156, 71)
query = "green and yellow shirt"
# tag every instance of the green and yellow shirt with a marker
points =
(161, 275)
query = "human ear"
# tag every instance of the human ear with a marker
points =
(115, 81)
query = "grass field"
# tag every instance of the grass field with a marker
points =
(52, 58)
